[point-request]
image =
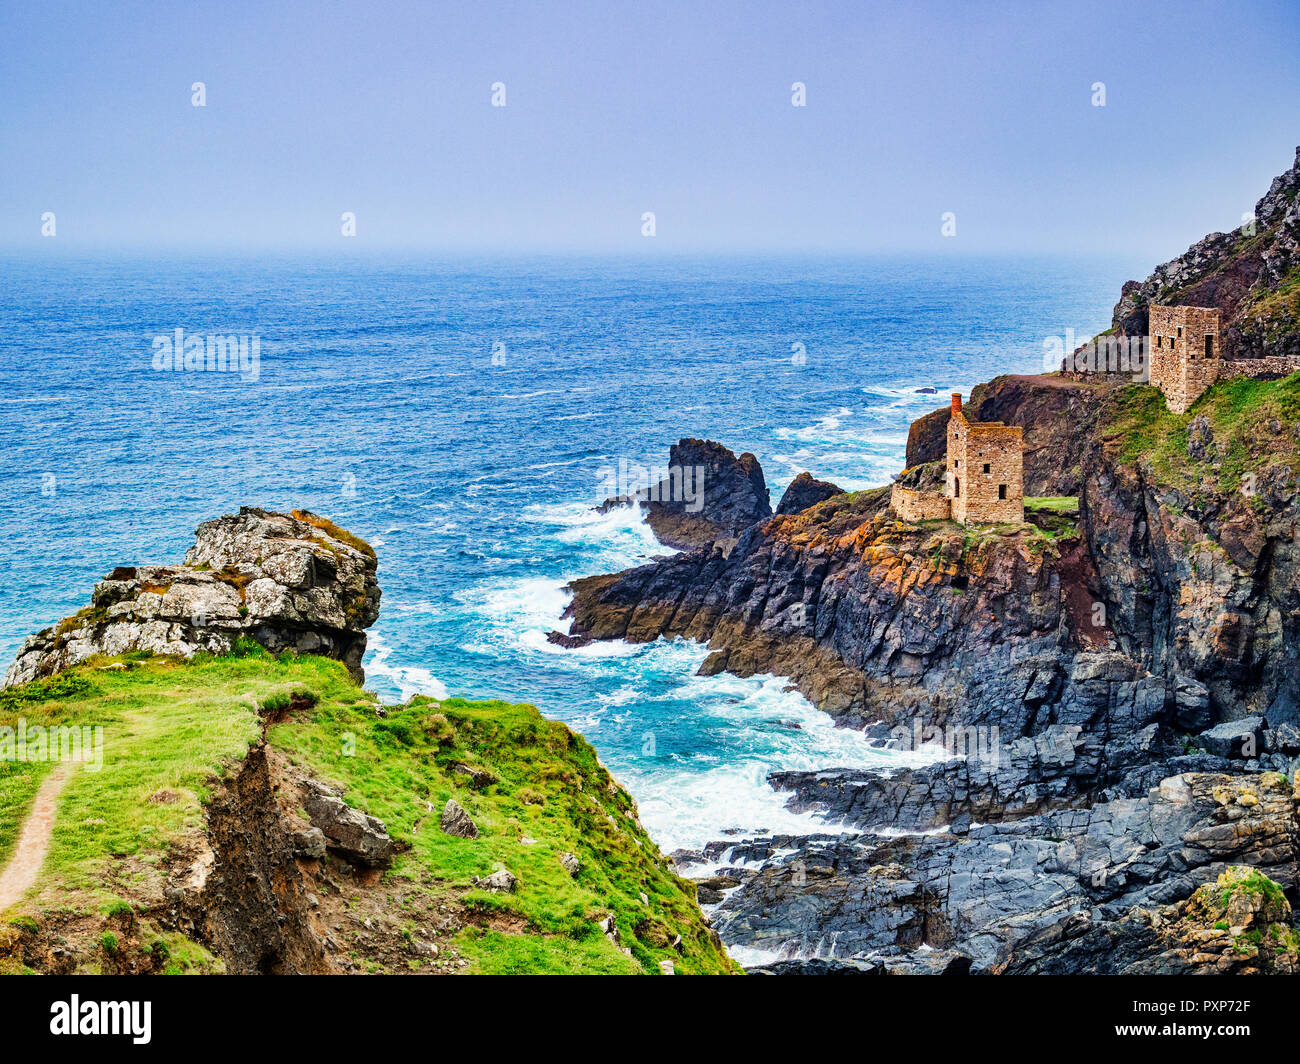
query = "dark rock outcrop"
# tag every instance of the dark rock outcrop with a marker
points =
(1117, 697)
(1200, 583)
(1088, 666)
(870, 617)
(289, 581)
(1118, 887)
(805, 491)
(1200, 439)
(245, 895)
(709, 496)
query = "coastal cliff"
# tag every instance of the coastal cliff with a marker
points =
(1114, 682)
(1133, 659)
(235, 802)
(1251, 276)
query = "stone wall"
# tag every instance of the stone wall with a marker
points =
(912, 505)
(1263, 368)
(985, 470)
(1180, 364)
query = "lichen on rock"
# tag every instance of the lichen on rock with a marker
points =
(287, 581)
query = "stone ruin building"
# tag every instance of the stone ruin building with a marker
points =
(1185, 353)
(984, 476)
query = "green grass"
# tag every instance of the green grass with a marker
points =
(1054, 517)
(494, 953)
(1056, 504)
(168, 730)
(43, 702)
(173, 729)
(550, 787)
(1041, 532)
(1249, 881)
(1238, 411)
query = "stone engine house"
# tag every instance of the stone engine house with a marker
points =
(985, 469)
(1185, 352)
(984, 474)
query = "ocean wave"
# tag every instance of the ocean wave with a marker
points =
(409, 680)
(758, 725)
(544, 391)
(716, 738)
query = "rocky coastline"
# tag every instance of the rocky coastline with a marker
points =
(1126, 657)
(259, 812)
(1113, 682)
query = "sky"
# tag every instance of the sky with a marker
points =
(984, 111)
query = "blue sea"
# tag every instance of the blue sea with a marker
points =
(464, 416)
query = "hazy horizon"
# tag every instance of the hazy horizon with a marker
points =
(311, 111)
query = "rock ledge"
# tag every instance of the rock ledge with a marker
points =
(288, 581)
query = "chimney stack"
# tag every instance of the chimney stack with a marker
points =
(956, 402)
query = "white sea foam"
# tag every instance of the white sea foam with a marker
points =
(617, 539)
(766, 726)
(749, 957)
(408, 679)
(697, 772)
(688, 796)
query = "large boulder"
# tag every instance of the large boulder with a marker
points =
(502, 881)
(805, 491)
(455, 821)
(289, 581)
(1237, 739)
(357, 837)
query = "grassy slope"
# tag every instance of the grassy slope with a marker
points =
(1238, 410)
(171, 728)
(19, 780)
(160, 730)
(548, 787)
